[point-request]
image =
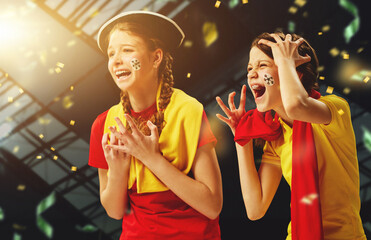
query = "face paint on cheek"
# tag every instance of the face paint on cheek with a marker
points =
(135, 64)
(268, 79)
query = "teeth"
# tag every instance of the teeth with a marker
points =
(120, 72)
(255, 87)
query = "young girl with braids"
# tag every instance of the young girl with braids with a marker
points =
(154, 151)
(310, 141)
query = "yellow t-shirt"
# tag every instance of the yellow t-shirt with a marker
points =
(337, 167)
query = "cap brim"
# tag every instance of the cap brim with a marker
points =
(163, 27)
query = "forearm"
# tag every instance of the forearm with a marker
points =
(250, 181)
(114, 197)
(195, 193)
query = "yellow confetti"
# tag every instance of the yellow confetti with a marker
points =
(345, 56)
(77, 32)
(51, 71)
(245, 1)
(21, 90)
(72, 42)
(329, 89)
(60, 65)
(41, 135)
(321, 78)
(56, 99)
(72, 122)
(53, 149)
(341, 112)
(10, 99)
(74, 168)
(334, 52)
(326, 28)
(320, 33)
(305, 14)
(21, 187)
(309, 198)
(72, 88)
(67, 102)
(55, 157)
(187, 43)
(57, 70)
(44, 121)
(210, 33)
(321, 68)
(94, 14)
(43, 57)
(188, 75)
(367, 78)
(293, 10)
(16, 149)
(360, 50)
(217, 4)
(6, 75)
(300, 3)
(346, 90)
(39, 157)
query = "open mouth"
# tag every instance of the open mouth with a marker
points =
(122, 74)
(258, 90)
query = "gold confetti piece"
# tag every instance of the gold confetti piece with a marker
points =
(41, 136)
(55, 157)
(321, 68)
(1, 84)
(346, 90)
(326, 28)
(345, 56)
(245, 1)
(72, 122)
(188, 75)
(367, 78)
(210, 33)
(360, 50)
(6, 75)
(187, 43)
(57, 70)
(39, 157)
(51, 71)
(300, 3)
(334, 52)
(72, 42)
(94, 14)
(321, 78)
(59, 64)
(53, 149)
(56, 99)
(309, 198)
(74, 168)
(77, 32)
(72, 87)
(341, 112)
(44, 121)
(217, 4)
(16, 149)
(329, 89)
(305, 14)
(21, 90)
(43, 57)
(21, 187)
(293, 10)
(67, 102)
(10, 99)
(320, 33)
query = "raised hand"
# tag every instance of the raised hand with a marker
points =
(136, 143)
(233, 115)
(286, 50)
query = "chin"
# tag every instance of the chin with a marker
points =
(262, 108)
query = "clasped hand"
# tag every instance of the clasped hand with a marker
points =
(135, 143)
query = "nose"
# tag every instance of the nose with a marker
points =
(252, 74)
(117, 60)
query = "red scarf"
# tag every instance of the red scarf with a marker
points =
(306, 216)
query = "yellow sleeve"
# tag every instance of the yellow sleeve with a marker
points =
(340, 116)
(269, 155)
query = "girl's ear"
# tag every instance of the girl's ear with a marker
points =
(158, 55)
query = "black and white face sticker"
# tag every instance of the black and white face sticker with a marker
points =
(135, 64)
(268, 79)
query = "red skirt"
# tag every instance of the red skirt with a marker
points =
(163, 215)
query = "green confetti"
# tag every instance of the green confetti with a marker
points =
(16, 236)
(353, 26)
(87, 228)
(43, 225)
(360, 76)
(291, 26)
(233, 3)
(367, 138)
(2, 215)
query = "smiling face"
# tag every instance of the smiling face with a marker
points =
(130, 62)
(263, 80)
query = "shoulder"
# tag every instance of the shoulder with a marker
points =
(182, 101)
(99, 121)
(336, 101)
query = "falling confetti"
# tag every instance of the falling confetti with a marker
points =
(44, 121)
(346, 91)
(73, 168)
(245, 1)
(67, 102)
(353, 26)
(321, 78)
(94, 14)
(300, 3)
(359, 50)
(233, 3)
(43, 225)
(41, 136)
(60, 65)
(309, 198)
(39, 157)
(293, 10)
(210, 33)
(16, 236)
(187, 43)
(21, 187)
(188, 75)
(58, 70)
(367, 78)
(329, 90)
(72, 122)
(10, 99)
(320, 33)
(16, 149)
(21, 90)
(72, 42)
(217, 4)
(72, 88)
(363, 75)
(2, 215)
(341, 112)
(345, 56)
(367, 138)
(53, 149)
(87, 228)
(291, 26)
(55, 157)
(326, 28)
(334, 52)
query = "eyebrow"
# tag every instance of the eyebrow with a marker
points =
(260, 62)
(122, 45)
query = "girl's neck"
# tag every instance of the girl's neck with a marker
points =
(144, 98)
(283, 115)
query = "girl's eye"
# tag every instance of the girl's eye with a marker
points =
(110, 54)
(249, 69)
(127, 50)
(263, 65)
